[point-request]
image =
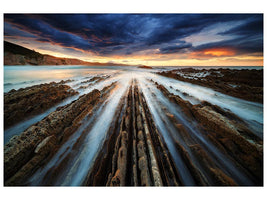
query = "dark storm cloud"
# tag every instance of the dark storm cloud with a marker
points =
(175, 27)
(248, 38)
(125, 34)
(99, 30)
(45, 33)
(176, 48)
(12, 31)
(253, 27)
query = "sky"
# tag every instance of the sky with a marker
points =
(143, 39)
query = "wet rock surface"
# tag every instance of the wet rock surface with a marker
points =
(92, 81)
(21, 150)
(245, 84)
(136, 155)
(196, 145)
(227, 132)
(26, 102)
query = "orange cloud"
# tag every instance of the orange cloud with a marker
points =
(213, 52)
(219, 52)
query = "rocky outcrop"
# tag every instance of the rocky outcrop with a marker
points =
(26, 152)
(145, 67)
(226, 131)
(135, 153)
(244, 84)
(92, 81)
(18, 55)
(26, 102)
(203, 141)
(54, 172)
(236, 139)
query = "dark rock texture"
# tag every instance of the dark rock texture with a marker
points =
(23, 103)
(24, 152)
(211, 143)
(227, 131)
(245, 84)
(135, 153)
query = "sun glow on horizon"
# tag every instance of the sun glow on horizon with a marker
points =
(219, 52)
(208, 57)
(140, 39)
(216, 58)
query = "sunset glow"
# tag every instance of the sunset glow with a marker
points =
(142, 39)
(133, 100)
(219, 52)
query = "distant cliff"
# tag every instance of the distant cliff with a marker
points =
(18, 55)
(145, 67)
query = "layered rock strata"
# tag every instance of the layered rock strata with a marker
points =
(26, 102)
(135, 155)
(92, 81)
(215, 145)
(25, 153)
(227, 132)
(245, 84)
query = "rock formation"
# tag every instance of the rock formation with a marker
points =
(227, 132)
(17, 55)
(245, 84)
(23, 153)
(214, 145)
(23, 103)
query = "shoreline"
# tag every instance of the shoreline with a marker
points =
(148, 143)
(245, 84)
